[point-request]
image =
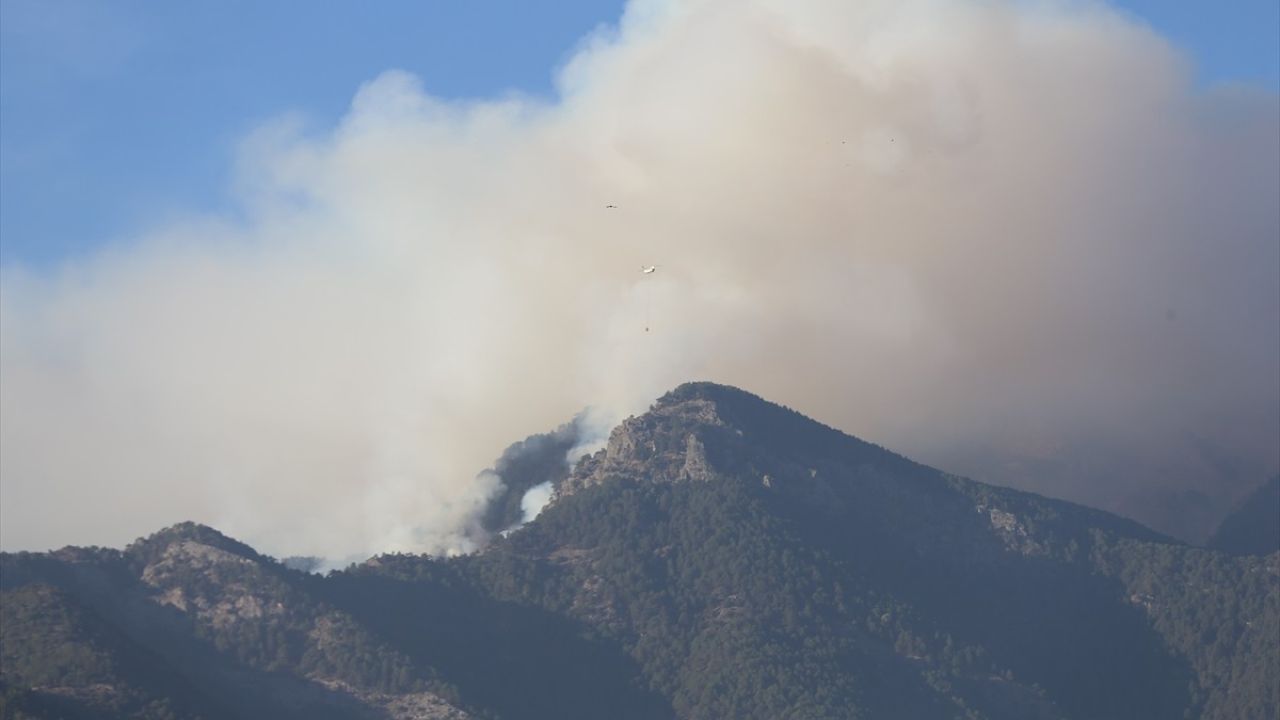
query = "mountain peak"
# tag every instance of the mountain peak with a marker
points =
(665, 444)
(189, 534)
(704, 430)
(724, 405)
(756, 419)
(706, 391)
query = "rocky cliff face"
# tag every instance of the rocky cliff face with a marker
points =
(667, 444)
(702, 431)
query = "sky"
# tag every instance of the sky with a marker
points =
(301, 271)
(76, 75)
(131, 111)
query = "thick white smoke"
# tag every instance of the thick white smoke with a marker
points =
(535, 499)
(1009, 237)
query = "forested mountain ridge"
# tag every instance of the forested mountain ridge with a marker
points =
(722, 557)
(1253, 528)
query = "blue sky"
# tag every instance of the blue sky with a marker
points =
(118, 116)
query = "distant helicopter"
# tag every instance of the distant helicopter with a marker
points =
(648, 311)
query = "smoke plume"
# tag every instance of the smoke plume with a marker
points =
(1013, 239)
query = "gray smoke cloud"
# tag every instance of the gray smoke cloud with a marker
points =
(1011, 239)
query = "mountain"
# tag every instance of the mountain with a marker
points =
(1253, 528)
(722, 557)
